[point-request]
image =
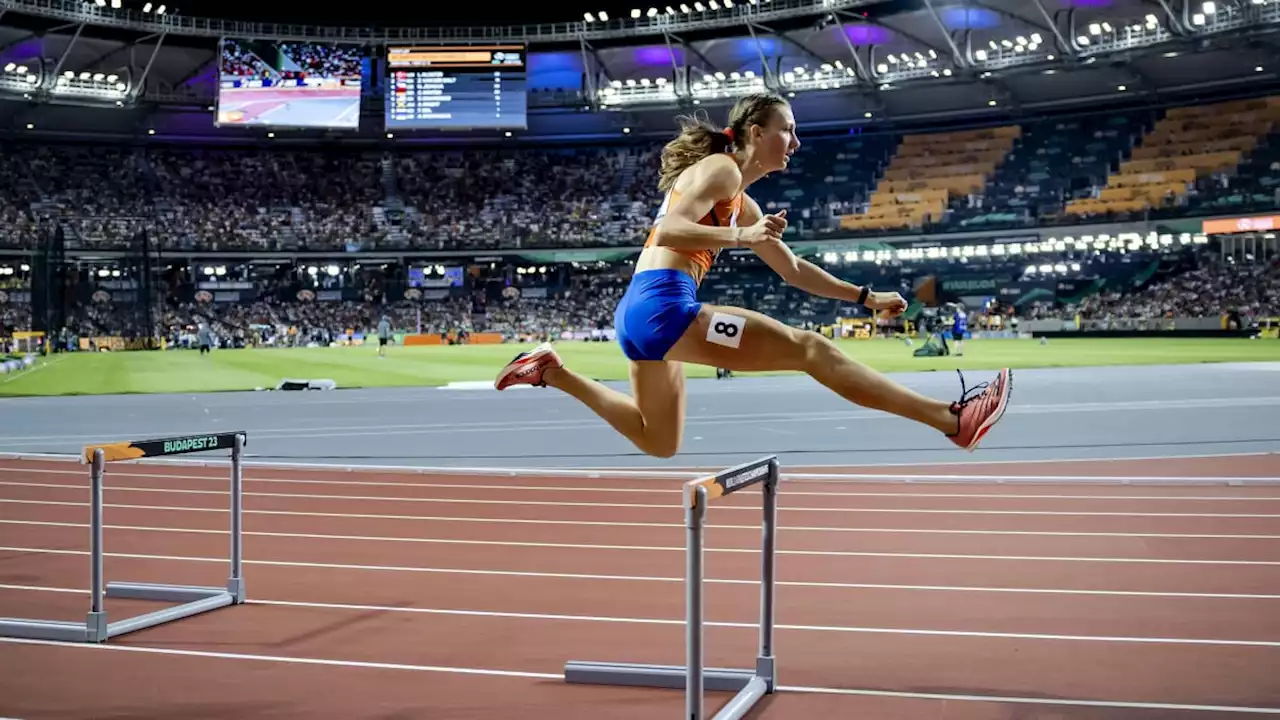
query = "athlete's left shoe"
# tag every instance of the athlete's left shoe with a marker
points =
(977, 414)
(527, 368)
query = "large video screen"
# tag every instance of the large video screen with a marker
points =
(299, 85)
(456, 87)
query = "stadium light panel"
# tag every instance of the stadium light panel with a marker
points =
(635, 13)
(100, 3)
(1197, 19)
(588, 17)
(1208, 8)
(604, 16)
(146, 8)
(685, 8)
(980, 54)
(728, 4)
(1095, 29)
(652, 12)
(115, 4)
(160, 10)
(11, 67)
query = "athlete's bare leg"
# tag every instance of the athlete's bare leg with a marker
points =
(653, 420)
(766, 344)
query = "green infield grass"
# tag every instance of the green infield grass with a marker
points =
(185, 371)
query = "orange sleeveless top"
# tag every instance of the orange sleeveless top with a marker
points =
(723, 214)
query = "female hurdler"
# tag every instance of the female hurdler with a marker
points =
(660, 323)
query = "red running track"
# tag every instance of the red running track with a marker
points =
(441, 596)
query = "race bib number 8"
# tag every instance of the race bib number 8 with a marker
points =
(726, 330)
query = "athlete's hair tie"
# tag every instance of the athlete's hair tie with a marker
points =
(728, 132)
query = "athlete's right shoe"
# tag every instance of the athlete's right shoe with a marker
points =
(977, 414)
(527, 368)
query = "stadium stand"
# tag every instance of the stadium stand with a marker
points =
(1189, 144)
(1113, 166)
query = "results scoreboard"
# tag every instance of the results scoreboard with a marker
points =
(456, 87)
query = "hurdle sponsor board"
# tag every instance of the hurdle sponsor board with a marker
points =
(729, 481)
(161, 447)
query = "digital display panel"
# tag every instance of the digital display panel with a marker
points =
(456, 87)
(288, 85)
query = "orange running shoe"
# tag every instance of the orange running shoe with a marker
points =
(979, 413)
(527, 368)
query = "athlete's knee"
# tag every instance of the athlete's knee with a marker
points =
(815, 349)
(664, 450)
(660, 444)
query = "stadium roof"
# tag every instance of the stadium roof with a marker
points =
(897, 60)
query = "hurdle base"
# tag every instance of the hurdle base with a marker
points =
(749, 685)
(657, 676)
(194, 599)
(57, 630)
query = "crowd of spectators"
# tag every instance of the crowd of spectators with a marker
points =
(580, 303)
(326, 61)
(544, 197)
(297, 61)
(238, 61)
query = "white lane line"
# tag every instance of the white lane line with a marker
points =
(652, 548)
(655, 475)
(1033, 701)
(292, 660)
(593, 424)
(111, 647)
(790, 492)
(672, 506)
(710, 623)
(615, 524)
(644, 578)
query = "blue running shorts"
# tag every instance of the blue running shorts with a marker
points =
(657, 308)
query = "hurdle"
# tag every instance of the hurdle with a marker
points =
(750, 685)
(194, 599)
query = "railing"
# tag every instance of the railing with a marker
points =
(615, 28)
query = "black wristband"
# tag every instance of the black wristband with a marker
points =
(862, 296)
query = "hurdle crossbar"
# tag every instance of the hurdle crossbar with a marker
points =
(750, 685)
(193, 599)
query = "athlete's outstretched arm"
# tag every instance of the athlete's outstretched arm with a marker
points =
(715, 179)
(812, 279)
